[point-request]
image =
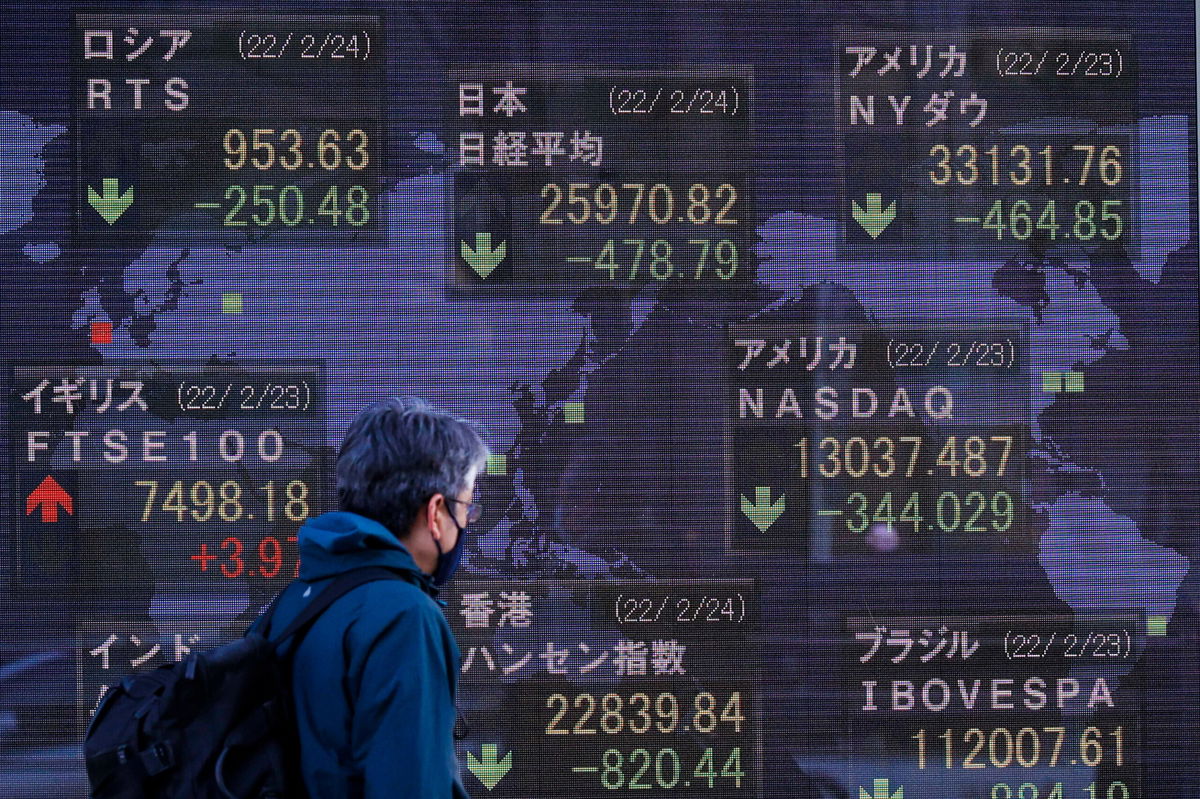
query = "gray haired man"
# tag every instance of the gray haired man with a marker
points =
(374, 678)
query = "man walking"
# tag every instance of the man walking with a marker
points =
(375, 676)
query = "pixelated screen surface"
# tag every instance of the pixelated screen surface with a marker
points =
(838, 362)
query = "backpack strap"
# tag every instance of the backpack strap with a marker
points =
(343, 584)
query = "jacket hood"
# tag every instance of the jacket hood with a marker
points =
(334, 543)
(407, 743)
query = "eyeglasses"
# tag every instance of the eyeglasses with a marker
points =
(474, 509)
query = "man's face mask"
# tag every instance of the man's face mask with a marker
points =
(447, 562)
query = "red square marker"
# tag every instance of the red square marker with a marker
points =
(102, 332)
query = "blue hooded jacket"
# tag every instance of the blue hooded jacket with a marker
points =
(375, 676)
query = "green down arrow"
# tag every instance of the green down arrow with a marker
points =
(483, 258)
(883, 790)
(762, 513)
(875, 218)
(111, 204)
(487, 768)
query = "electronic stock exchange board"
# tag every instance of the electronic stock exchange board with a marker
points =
(838, 360)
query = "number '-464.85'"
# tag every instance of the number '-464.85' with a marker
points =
(1086, 220)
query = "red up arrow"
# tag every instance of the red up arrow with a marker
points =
(49, 495)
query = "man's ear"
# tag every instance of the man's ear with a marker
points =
(431, 510)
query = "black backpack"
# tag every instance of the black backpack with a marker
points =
(216, 725)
